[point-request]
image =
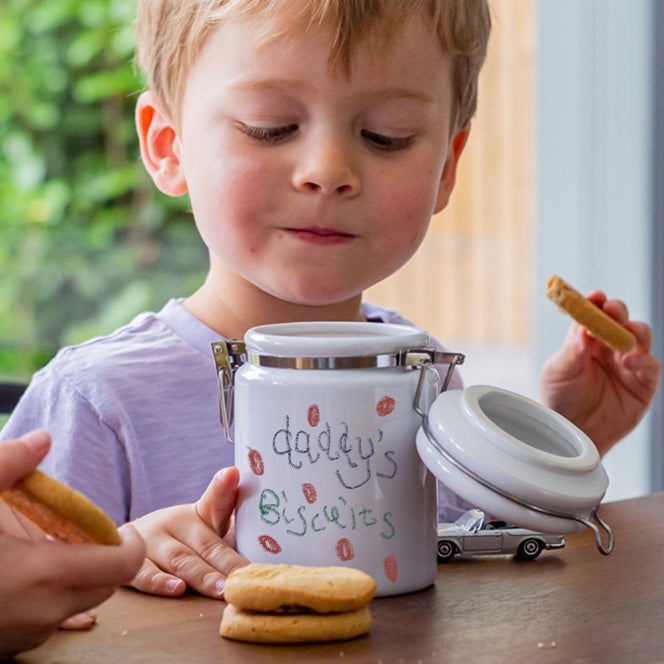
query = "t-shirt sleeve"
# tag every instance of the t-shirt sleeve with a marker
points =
(85, 453)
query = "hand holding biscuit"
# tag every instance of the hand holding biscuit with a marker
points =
(45, 582)
(604, 391)
(191, 545)
(593, 318)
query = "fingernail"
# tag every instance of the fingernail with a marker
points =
(219, 588)
(173, 585)
(37, 439)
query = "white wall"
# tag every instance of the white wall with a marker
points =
(594, 202)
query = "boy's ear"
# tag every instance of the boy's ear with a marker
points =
(448, 178)
(159, 146)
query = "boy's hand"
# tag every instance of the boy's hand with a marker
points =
(185, 546)
(604, 392)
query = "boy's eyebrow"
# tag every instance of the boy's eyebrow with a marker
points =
(259, 84)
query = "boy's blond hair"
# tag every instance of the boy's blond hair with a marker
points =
(171, 33)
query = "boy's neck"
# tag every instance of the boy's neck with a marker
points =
(234, 308)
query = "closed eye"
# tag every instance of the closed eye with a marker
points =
(383, 142)
(269, 134)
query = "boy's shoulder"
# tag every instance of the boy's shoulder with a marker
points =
(158, 363)
(151, 342)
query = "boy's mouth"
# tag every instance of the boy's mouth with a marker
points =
(320, 235)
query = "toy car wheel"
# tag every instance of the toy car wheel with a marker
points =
(529, 549)
(446, 550)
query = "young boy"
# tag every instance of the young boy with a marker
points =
(315, 140)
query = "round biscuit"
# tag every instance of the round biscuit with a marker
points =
(291, 588)
(253, 627)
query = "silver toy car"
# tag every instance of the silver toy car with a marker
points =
(470, 534)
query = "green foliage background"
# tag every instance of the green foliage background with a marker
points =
(86, 240)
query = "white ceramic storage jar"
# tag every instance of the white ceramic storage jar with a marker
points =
(325, 443)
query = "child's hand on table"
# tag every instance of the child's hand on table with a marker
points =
(191, 545)
(603, 391)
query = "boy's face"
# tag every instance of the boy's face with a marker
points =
(309, 183)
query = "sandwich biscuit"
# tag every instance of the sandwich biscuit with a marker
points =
(282, 588)
(277, 603)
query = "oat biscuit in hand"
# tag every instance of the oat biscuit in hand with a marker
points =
(60, 511)
(598, 324)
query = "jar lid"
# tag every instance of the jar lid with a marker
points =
(331, 344)
(515, 459)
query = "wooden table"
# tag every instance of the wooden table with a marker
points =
(572, 605)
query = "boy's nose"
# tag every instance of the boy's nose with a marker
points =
(326, 168)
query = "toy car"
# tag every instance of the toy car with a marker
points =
(470, 534)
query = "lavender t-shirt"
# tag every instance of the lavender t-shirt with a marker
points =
(134, 415)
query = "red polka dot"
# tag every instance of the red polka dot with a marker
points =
(309, 491)
(313, 415)
(345, 549)
(269, 544)
(256, 462)
(385, 406)
(391, 568)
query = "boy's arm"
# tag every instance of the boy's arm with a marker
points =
(604, 392)
(191, 545)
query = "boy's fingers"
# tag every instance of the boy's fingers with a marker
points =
(150, 579)
(207, 574)
(643, 335)
(201, 559)
(217, 503)
(181, 562)
(617, 309)
(575, 351)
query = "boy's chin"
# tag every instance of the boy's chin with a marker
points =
(319, 298)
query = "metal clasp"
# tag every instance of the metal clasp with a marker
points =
(424, 360)
(597, 525)
(229, 356)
